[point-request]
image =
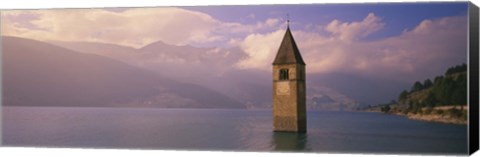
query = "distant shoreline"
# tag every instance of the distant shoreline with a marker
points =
(430, 117)
(437, 118)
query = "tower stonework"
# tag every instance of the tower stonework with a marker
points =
(289, 90)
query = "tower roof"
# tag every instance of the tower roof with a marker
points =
(288, 52)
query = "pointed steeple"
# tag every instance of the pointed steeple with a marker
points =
(288, 52)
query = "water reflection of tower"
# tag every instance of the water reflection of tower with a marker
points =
(284, 141)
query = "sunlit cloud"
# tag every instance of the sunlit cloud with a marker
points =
(351, 31)
(337, 46)
(260, 49)
(424, 51)
(132, 27)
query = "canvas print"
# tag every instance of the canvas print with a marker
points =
(318, 78)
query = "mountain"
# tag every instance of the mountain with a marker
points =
(215, 69)
(443, 100)
(446, 90)
(103, 49)
(40, 74)
(324, 98)
(211, 68)
(362, 89)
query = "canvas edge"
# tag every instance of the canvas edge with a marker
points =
(473, 51)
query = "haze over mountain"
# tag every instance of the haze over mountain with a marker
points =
(162, 75)
(215, 68)
(40, 74)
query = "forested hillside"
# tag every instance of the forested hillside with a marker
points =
(446, 90)
(442, 100)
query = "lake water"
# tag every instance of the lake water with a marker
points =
(219, 129)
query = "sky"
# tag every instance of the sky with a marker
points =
(405, 42)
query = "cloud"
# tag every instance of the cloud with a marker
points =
(131, 27)
(423, 52)
(251, 16)
(260, 49)
(233, 28)
(427, 50)
(352, 31)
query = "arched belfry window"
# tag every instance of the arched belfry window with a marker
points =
(283, 74)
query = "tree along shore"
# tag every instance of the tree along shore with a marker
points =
(442, 100)
(443, 114)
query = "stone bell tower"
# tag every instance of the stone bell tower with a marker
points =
(289, 93)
